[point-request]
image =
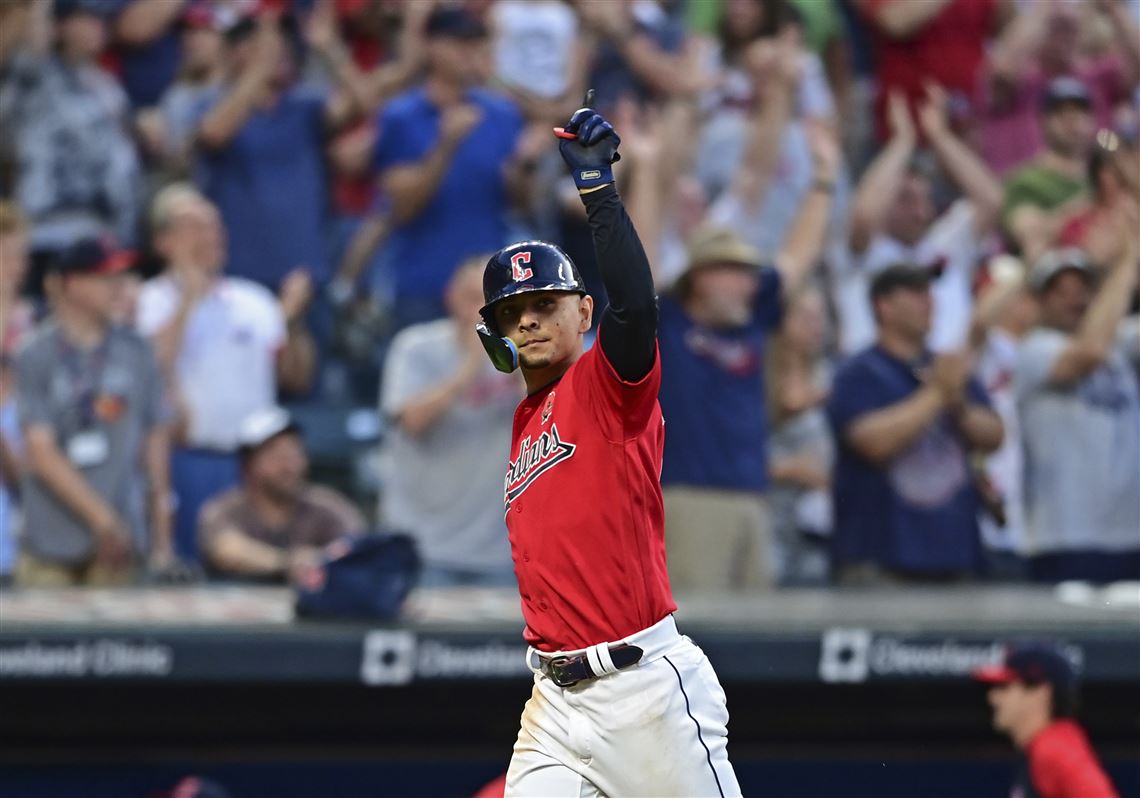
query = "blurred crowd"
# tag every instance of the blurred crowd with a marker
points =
(896, 245)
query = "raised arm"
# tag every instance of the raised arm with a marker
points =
(805, 239)
(1093, 342)
(222, 122)
(143, 21)
(628, 333)
(881, 181)
(411, 186)
(775, 76)
(966, 169)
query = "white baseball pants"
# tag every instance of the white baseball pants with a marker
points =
(657, 728)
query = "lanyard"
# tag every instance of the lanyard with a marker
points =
(86, 377)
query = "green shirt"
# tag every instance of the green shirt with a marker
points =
(1037, 185)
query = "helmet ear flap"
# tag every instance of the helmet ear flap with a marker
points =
(502, 351)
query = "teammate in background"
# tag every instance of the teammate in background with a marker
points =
(622, 703)
(1034, 695)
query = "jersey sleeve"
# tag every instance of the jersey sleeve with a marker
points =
(621, 407)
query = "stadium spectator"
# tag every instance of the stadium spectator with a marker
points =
(16, 321)
(225, 344)
(261, 138)
(1035, 694)
(94, 426)
(893, 220)
(452, 414)
(941, 42)
(641, 51)
(773, 94)
(276, 524)
(1005, 313)
(1046, 41)
(66, 124)
(905, 422)
(1041, 196)
(712, 332)
(1114, 182)
(442, 144)
(801, 450)
(168, 129)
(1080, 418)
(540, 58)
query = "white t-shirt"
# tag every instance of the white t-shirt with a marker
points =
(445, 487)
(534, 45)
(1082, 450)
(951, 245)
(996, 368)
(226, 368)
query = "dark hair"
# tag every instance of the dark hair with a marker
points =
(775, 15)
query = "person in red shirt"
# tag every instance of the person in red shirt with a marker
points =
(622, 703)
(1034, 695)
(940, 41)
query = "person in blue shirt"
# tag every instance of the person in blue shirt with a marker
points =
(712, 332)
(446, 166)
(905, 424)
(260, 150)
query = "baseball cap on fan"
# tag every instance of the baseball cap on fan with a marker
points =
(93, 256)
(900, 275)
(262, 426)
(1053, 263)
(1065, 90)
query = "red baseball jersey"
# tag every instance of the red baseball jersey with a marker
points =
(583, 507)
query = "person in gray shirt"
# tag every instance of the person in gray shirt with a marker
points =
(452, 415)
(94, 425)
(1079, 405)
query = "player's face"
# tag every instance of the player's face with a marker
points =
(546, 326)
(1014, 704)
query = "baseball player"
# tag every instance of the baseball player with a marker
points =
(622, 704)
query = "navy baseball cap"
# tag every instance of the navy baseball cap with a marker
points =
(457, 23)
(93, 256)
(1032, 664)
(1064, 91)
(98, 8)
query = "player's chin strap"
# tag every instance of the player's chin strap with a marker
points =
(502, 351)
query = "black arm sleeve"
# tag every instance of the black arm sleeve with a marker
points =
(628, 334)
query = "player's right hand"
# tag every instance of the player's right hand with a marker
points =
(589, 146)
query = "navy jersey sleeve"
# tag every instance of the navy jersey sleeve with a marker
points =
(628, 332)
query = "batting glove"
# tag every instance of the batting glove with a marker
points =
(589, 146)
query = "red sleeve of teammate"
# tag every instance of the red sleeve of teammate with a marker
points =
(1063, 765)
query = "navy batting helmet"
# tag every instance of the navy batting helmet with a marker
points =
(518, 269)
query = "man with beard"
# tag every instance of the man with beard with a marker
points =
(276, 524)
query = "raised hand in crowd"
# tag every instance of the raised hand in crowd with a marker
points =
(295, 295)
(456, 122)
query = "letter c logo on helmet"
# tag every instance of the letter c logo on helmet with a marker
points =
(518, 273)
